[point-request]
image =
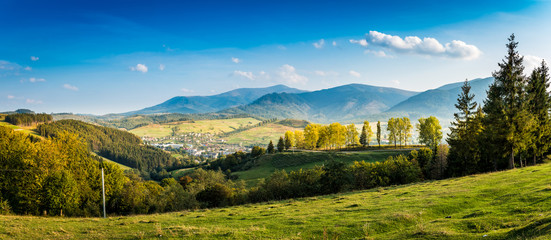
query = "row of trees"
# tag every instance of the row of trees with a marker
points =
(335, 135)
(28, 119)
(514, 122)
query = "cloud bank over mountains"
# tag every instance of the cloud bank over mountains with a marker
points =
(426, 46)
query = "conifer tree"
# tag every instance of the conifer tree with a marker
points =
(271, 147)
(459, 139)
(280, 145)
(539, 104)
(507, 117)
(379, 133)
(365, 137)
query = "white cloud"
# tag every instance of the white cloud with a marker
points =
(33, 58)
(377, 53)
(319, 44)
(11, 97)
(281, 47)
(140, 68)
(8, 66)
(32, 101)
(426, 46)
(530, 63)
(361, 42)
(185, 90)
(396, 82)
(334, 44)
(288, 74)
(161, 67)
(37, 80)
(27, 68)
(320, 73)
(235, 60)
(70, 87)
(248, 75)
(354, 73)
(325, 73)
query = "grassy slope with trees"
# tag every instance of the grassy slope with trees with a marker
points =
(511, 204)
(294, 161)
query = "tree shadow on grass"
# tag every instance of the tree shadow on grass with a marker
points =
(538, 228)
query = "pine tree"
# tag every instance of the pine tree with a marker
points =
(379, 133)
(271, 147)
(507, 104)
(539, 104)
(365, 137)
(280, 145)
(459, 138)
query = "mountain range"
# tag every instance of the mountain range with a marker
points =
(206, 104)
(348, 103)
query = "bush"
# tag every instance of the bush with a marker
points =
(215, 196)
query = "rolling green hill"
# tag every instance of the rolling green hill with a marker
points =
(514, 204)
(440, 102)
(203, 126)
(293, 161)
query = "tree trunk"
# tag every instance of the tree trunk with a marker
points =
(521, 161)
(534, 159)
(512, 159)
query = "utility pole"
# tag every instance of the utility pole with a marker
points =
(103, 193)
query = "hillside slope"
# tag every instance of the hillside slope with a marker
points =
(440, 102)
(341, 103)
(513, 204)
(204, 104)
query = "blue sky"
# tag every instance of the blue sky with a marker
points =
(115, 56)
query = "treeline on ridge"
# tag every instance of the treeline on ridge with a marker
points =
(28, 119)
(137, 121)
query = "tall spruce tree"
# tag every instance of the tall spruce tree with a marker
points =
(379, 133)
(365, 137)
(280, 145)
(507, 119)
(460, 160)
(271, 147)
(539, 104)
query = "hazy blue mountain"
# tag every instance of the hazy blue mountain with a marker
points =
(205, 104)
(440, 102)
(341, 103)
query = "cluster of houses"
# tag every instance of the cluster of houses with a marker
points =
(196, 144)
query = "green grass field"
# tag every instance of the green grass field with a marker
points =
(513, 204)
(292, 161)
(261, 135)
(199, 126)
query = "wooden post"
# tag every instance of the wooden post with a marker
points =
(103, 193)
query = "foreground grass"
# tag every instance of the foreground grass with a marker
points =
(513, 204)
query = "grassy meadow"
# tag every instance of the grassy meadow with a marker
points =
(514, 204)
(199, 126)
(261, 135)
(292, 161)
